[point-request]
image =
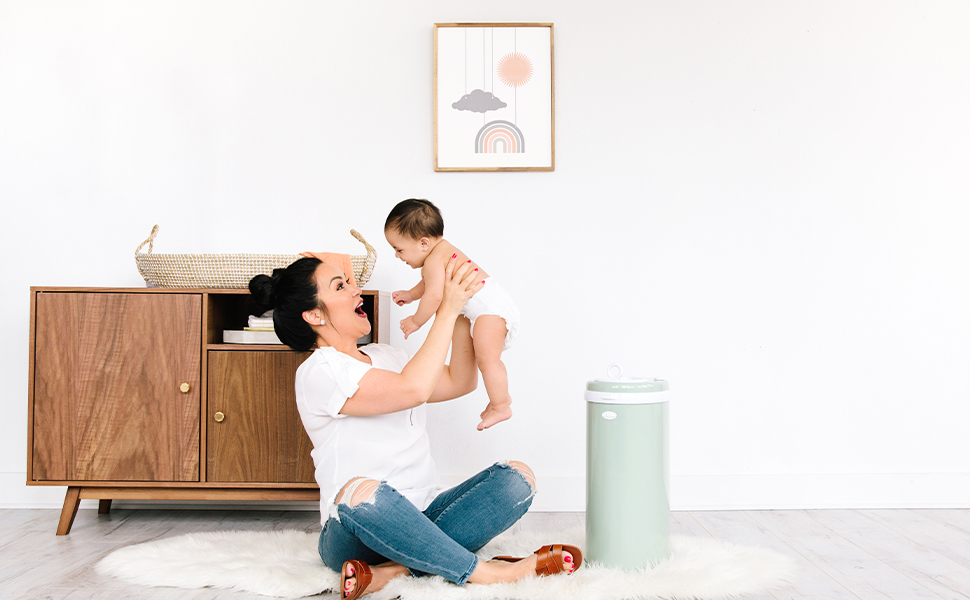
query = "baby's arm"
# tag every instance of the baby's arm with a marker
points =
(408, 296)
(418, 290)
(433, 280)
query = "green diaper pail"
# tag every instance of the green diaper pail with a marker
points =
(627, 471)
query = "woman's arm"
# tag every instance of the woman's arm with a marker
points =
(460, 375)
(381, 392)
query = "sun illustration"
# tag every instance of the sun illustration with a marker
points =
(514, 69)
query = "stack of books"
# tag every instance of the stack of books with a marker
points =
(260, 331)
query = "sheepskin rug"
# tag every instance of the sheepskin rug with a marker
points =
(286, 564)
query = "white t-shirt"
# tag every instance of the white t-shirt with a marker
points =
(393, 448)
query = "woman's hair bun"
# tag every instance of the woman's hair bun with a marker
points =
(290, 292)
(263, 289)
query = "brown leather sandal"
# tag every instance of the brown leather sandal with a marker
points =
(363, 575)
(550, 559)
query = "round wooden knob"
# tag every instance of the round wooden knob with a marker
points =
(219, 417)
(184, 388)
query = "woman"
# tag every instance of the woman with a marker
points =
(382, 508)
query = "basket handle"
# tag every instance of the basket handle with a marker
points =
(150, 241)
(371, 259)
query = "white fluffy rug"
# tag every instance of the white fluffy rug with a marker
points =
(286, 564)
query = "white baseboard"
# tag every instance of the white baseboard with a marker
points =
(15, 493)
(849, 490)
(766, 492)
(688, 492)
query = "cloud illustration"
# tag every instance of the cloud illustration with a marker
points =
(479, 101)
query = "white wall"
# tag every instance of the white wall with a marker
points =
(765, 203)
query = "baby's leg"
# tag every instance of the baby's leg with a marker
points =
(489, 340)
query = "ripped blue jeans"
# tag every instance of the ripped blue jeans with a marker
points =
(442, 539)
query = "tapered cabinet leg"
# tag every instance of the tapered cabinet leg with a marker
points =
(104, 506)
(71, 502)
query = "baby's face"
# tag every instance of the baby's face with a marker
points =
(412, 252)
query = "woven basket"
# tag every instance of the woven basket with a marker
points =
(227, 271)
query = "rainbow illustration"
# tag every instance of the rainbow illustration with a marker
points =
(499, 137)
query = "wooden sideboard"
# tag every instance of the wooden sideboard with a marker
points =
(133, 395)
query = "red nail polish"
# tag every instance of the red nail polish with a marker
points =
(454, 255)
(469, 261)
(476, 269)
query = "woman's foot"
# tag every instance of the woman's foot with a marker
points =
(548, 560)
(503, 571)
(371, 579)
(355, 577)
(552, 559)
(558, 559)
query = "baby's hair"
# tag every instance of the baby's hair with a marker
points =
(416, 219)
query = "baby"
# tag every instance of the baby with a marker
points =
(415, 229)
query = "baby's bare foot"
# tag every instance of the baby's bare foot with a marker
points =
(494, 414)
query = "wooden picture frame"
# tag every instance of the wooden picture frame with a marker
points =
(494, 97)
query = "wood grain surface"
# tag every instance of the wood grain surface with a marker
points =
(261, 438)
(106, 398)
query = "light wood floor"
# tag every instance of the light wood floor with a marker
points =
(850, 554)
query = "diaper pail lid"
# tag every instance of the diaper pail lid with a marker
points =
(616, 389)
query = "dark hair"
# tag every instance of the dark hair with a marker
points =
(290, 292)
(416, 219)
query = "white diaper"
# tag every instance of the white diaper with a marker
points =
(492, 299)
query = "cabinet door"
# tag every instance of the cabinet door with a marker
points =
(260, 438)
(108, 399)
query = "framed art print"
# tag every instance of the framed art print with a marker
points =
(494, 100)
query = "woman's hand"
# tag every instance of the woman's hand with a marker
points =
(461, 283)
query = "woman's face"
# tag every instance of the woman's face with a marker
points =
(345, 308)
